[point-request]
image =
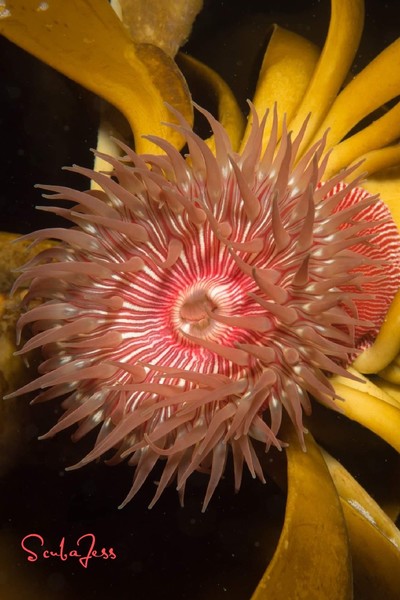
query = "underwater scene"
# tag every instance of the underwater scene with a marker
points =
(199, 300)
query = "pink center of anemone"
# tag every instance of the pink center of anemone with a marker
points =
(195, 298)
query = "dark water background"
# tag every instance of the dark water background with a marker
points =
(46, 122)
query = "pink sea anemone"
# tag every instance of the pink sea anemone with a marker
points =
(194, 298)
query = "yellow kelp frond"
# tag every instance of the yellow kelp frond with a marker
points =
(378, 160)
(386, 345)
(84, 40)
(229, 113)
(312, 561)
(387, 184)
(378, 83)
(287, 68)
(375, 414)
(381, 132)
(345, 28)
(391, 373)
(163, 24)
(364, 384)
(374, 539)
(391, 389)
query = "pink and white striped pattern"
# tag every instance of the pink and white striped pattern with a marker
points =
(195, 298)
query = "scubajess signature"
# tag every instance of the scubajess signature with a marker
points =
(84, 549)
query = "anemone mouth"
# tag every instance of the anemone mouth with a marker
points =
(194, 311)
(195, 300)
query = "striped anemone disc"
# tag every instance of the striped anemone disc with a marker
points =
(194, 298)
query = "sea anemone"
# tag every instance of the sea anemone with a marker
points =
(195, 297)
(207, 283)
